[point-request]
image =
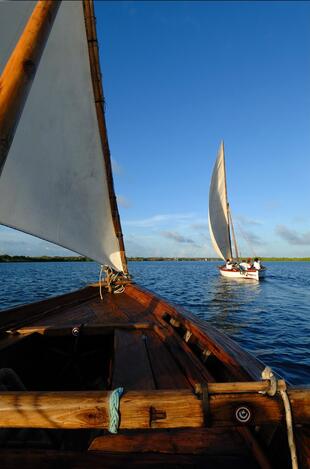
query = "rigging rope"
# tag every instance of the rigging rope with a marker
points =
(111, 278)
(114, 401)
(268, 374)
(246, 239)
(100, 282)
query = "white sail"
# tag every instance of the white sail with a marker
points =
(218, 209)
(54, 183)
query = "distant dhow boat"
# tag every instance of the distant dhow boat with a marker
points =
(221, 226)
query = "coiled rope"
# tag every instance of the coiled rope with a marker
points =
(114, 401)
(111, 278)
(268, 374)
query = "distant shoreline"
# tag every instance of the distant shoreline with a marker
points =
(6, 258)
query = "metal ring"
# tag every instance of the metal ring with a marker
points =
(75, 331)
(243, 414)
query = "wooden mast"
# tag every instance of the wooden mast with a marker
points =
(227, 207)
(20, 70)
(233, 232)
(91, 33)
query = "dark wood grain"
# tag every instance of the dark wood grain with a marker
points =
(171, 408)
(44, 459)
(179, 441)
(166, 371)
(131, 368)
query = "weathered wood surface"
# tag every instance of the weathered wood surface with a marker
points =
(131, 367)
(91, 329)
(48, 312)
(48, 459)
(192, 368)
(109, 310)
(302, 436)
(240, 363)
(20, 70)
(142, 409)
(166, 371)
(178, 441)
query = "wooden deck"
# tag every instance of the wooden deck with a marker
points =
(156, 347)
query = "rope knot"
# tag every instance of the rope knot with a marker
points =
(114, 401)
(268, 374)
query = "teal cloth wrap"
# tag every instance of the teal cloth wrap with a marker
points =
(114, 409)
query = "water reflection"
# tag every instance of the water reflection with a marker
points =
(269, 318)
(229, 301)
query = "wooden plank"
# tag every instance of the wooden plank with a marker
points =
(9, 340)
(302, 436)
(70, 317)
(131, 368)
(259, 454)
(192, 368)
(49, 459)
(141, 409)
(52, 308)
(246, 387)
(119, 307)
(178, 441)
(167, 373)
(92, 329)
(90, 409)
(107, 310)
(240, 363)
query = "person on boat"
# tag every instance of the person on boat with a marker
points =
(229, 264)
(250, 263)
(256, 264)
(243, 265)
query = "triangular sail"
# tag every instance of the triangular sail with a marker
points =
(218, 208)
(54, 183)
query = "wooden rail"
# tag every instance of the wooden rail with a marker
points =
(147, 409)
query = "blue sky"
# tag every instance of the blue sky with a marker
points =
(180, 76)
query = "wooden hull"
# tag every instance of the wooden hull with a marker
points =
(57, 413)
(250, 274)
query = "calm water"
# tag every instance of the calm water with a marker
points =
(270, 318)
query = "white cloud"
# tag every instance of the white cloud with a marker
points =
(292, 236)
(116, 167)
(123, 202)
(160, 219)
(173, 235)
(248, 221)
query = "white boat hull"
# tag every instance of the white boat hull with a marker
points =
(250, 274)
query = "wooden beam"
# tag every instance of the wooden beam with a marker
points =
(90, 329)
(51, 459)
(179, 441)
(144, 409)
(20, 70)
(91, 33)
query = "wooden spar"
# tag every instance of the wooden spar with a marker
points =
(20, 70)
(144, 409)
(227, 204)
(232, 232)
(91, 33)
